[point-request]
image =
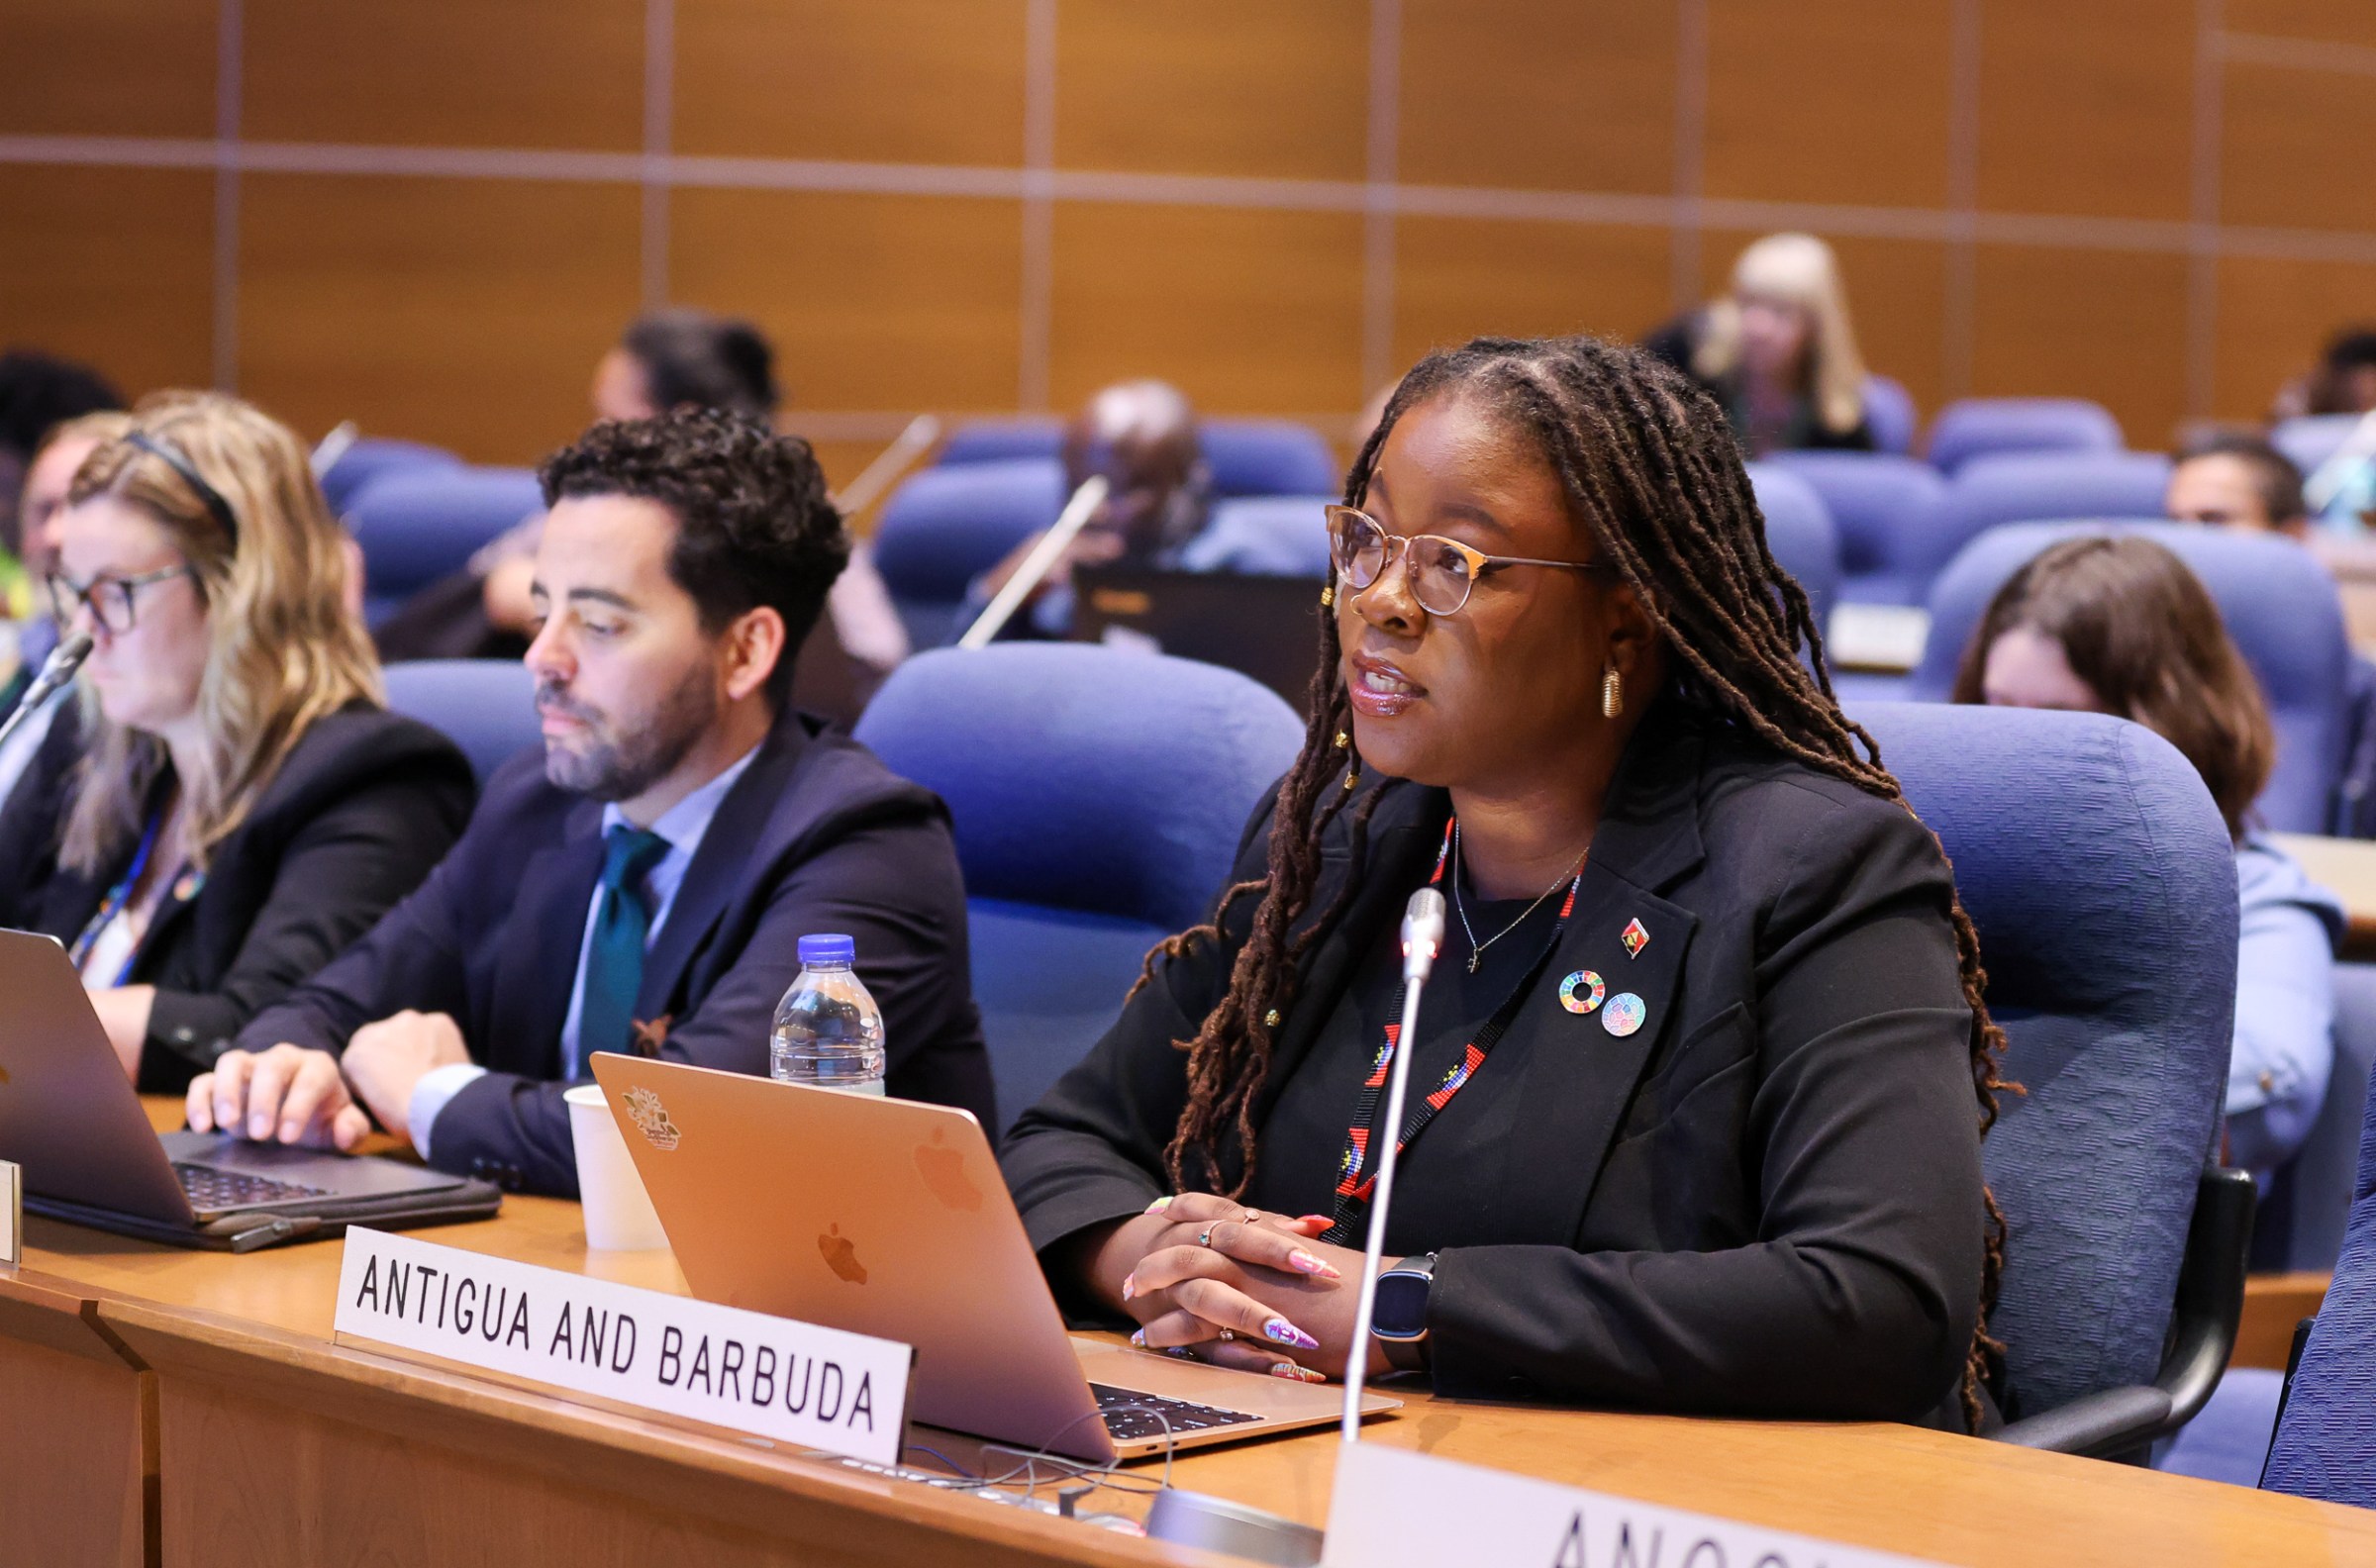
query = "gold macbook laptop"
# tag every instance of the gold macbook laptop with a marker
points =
(889, 1218)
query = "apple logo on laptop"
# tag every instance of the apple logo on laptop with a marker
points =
(943, 1171)
(841, 1256)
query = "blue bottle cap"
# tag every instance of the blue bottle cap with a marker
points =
(828, 950)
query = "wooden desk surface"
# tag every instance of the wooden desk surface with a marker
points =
(2345, 867)
(1925, 1494)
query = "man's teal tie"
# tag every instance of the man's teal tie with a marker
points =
(615, 959)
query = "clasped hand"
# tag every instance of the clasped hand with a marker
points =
(1235, 1286)
(291, 1095)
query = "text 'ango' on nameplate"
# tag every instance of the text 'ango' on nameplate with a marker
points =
(746, 1371)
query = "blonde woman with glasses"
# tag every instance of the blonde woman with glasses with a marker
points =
(231, 805)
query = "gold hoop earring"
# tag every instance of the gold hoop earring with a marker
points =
(1613, 692)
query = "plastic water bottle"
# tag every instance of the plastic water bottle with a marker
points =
(827, 1029)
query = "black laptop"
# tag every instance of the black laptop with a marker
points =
(73, 1121)
(1261, 625)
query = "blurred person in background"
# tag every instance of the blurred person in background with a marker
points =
(37, 393)
(233, 806)
(666, 360)
(2344, 382)
(1778, 351)
(2119, 625)
(1139, 437)
(2235, 479)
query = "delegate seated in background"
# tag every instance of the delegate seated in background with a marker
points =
(1724, 1155)
(1141, 438)
(2120, 625)
(1778, 351)
(644, 884)
(231, 807)
(2235, 479)
(667, 360)
(38, 393)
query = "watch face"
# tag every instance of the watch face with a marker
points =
(1402, 1310)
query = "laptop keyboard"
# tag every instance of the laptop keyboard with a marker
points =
(1130, 1414)
(212, 1188)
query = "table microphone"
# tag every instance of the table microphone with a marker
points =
(1422, 939)
(1037, 562)
(58, 669)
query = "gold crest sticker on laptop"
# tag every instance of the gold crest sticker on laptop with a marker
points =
(650, 1118)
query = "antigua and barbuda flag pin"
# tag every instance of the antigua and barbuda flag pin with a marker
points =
(1635, 939)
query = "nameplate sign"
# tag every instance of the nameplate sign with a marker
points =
(1393, 1508)
(12, 1213)
(622, 1345)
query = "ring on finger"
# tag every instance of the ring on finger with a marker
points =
(1204, 1238)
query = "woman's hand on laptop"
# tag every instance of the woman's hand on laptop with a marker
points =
(286, 1095)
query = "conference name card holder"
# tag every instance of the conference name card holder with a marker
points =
(1394, 1509)
(12, 1214)
(625, 1348)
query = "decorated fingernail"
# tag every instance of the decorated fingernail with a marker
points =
(1322, 1220)
(1130, 1286)
(1159, 1206)
(1300, 1374)
(1138, 1338)
(1303, 1262)
(1281, 1331)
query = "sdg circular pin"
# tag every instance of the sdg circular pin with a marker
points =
(1582, 991)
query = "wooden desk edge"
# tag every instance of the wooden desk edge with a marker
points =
(769, 1491)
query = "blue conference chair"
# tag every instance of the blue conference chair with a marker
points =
(2280, 606)
(2100, 877)
(1268, 457)
(1267, 535)
(486, 707)
(1886, 510)
(2312, 437)
(1799, 531)
(2046, 487)
(1098, 797)
(1002, 441)
(2326, 1429)
(1984, 427)
(418, 524)
(369, 457)
(1889, 414)
(946, 526)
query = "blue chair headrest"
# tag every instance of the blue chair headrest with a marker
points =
(1085, 777)
(1886, 509)
(1268, 457)
(1272, 535)
(369, 457)
(946, 526)
(417, 524)
(1800, 533)
(485, 707)
(1889, 414)
(1977, 426)
(2278, 604)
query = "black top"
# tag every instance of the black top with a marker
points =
(360, 809)
(816, 836)
(1678, 343)
(1764, 1201)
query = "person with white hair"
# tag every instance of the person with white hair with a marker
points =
(1778, 350)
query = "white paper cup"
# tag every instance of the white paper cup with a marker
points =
(618, 1213)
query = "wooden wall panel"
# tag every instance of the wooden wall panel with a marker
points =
(1248, 87)
(2087, 109)
(520, 73)
(874, 302)
(896, 81)
(2107, 325)
(2352, 22)
(1247, 311)
(1842, 102)
(1456, 278)
(1540, 94)
(2275, 317)
(468, 313)
(2299, 148)
(111, 266)
(1897, 294)
(107, 67)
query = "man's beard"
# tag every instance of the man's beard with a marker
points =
(615, 767)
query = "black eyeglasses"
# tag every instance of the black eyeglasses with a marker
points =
(1443, 572)
(110, 600)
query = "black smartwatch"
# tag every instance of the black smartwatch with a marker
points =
(1401, 1316)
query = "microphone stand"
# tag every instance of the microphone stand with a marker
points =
(1422, 939)
(58, 669)
(1038, 564)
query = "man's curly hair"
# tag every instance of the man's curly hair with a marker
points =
(754, 525)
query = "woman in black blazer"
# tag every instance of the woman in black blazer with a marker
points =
(229, 807)
(1701, 1079)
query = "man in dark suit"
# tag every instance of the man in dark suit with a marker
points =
(644, 884)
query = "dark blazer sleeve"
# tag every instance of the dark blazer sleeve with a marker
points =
(338, 874)
(1092, 1149)
(1861, 1284)
(893, 887)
